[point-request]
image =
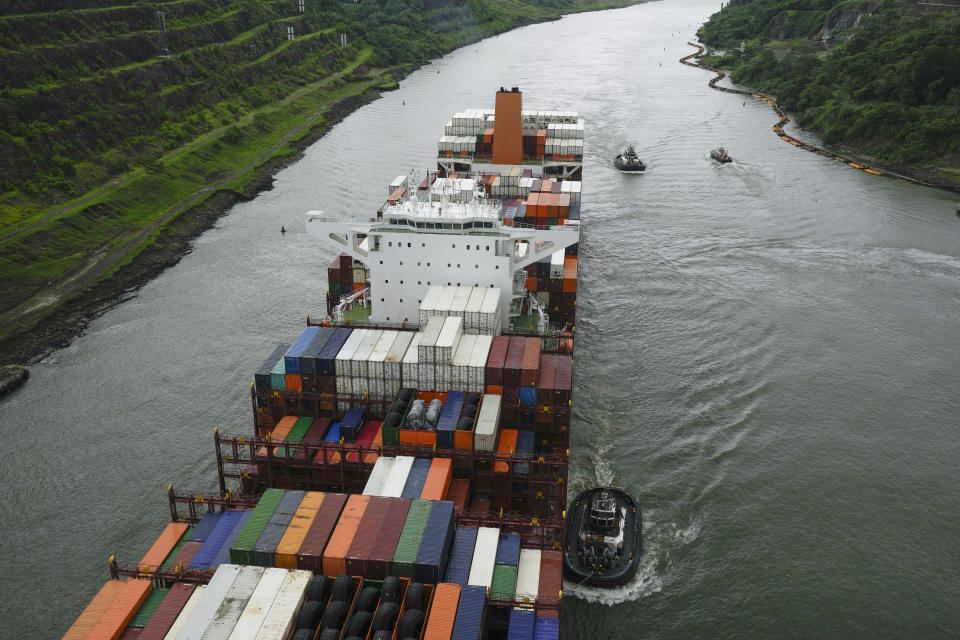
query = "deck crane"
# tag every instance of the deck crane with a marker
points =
(540, 311)
(347, 301)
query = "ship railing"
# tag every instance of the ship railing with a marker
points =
(551, 337)
(160, 576)
(191, 506)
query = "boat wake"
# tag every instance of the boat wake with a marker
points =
(645, 583)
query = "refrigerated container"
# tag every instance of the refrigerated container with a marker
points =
(484, 557)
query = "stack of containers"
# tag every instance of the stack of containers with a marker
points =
(461, 555)
(521, 624)
(524, 451)
(512, 366)
(266, 545)
(310, 553)
(529, 369)
(449, 417)
(209, 555)
(488, 423)
(528, 576)
(257, 607)
(473, 309)
(410, 365)
(550, 587)
(461, 362)
(286, 553)
(279, 620)
(343, 361)
(505, 569)
(380, 562)
(166, 613)
(185, 612)
(362, 385)
(296, 434)
(434, 551)
(428, 303)
(376, 366)
(494, 365)
(162, 546)
(426, 354)
(326, 361)
(361, 547)
(115, 615)
(261, 379)
(335, 553)
(471, 610)
(340, 278)
(397, 477)
(446, 345)
(405, 556)
(458, 306)
(278, 376)
(233, 604)
(392, 363)
(241, 551)
(553, 403)
(484, 557)
(206, 607)
(291, 359)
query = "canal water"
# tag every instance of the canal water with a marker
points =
(767, 355)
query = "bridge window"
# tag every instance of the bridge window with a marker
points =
(468, 247)
(408, 245)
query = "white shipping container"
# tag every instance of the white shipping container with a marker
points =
(409, 367)
(345, 355)
(428, 304)
(359, 387)
(379, 354)
(206, 607)
(225, 619)
(477, 373)
(259, 604)
(344, 385)
(428, 338)
(397, 478)
(459, 304)
(488, 423)
(400, 182)
(378, 477)
(448, 339)
(445, 300)
(528, 576)
(174, 629)
(358, 363)
(391, 364)
(471, 315)
(461, 357)
(484, 557)
(279, 621)
(556, 264)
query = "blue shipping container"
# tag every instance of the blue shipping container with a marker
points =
(468, 624)
(223, 555)
(333, 435)
(291, 359)
(202, 531)
(277, 525)
(528, 395)
(521, 624)
(546, 629)
(350, 425)
(447, 424)
(261, 379)
(416, 479)
(461, 555)
(308, 359)
(526, 441)
(508, 549)
(434, 553)
(325, 361)
(207, 554)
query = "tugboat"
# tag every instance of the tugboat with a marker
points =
(604, 531)
(628, 161)
(720, 155)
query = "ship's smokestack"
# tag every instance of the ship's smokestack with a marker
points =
(508, 127)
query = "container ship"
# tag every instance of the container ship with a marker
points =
(405, 472)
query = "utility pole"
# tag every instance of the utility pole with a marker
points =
(162, 38)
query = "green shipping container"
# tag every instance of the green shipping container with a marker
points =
(278, 376)
(299, 429)
(410, 538)
(241, 552)
(149, 607)
(390, 435)
(504, 582)
(334, 288)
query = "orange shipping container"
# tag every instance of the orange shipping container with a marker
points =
(426, 438)
(87, 620)
(495, 388)
(438, 479)
(443, 612)
(335, 554)
(463, 439)
(533, 202)
(121, 611)
(409, 436)
(531, 283)
(280, 433)
(371, 458)
(359, 286)
(294, 382)
(570, 274)
(163, 545)
(285, 556)
(505, 449)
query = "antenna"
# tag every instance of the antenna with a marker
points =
(162, 38)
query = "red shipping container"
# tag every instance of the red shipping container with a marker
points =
(530, 365)
(551, 577)
(505, 448)
(530, 284)
(548, 373)
(380, 563)
(563, 383)
(358, 555)
(496, 359)
(166, 614)
(513, 362)
(310, 555)
(365, 439)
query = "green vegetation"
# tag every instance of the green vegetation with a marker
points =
(881, 77)
(110, 128)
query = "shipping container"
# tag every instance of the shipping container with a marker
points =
(241, 552)
(358, 554)
(471, 610)
(508, 549)
(448, 340)
(438, 479)
(546, 629)
(91, 615)
(167, 611)
(484, 557)
(206, 556)
(488, 423)
(443, 612)
(343, 365)
(291, 359)
(185, 612)
(280, 619)
(229, 611)
(528, 576)
(350, 424)
(207, 605)
(146, 610)
(326, 360)
(223, 555)
(261, 379)
(278, 376)
(183, 557)
(311, 354)
(335, 555)
(410, 364)
(434, 552)
(504, 582)
(551, 576)
(257, 607)
(461, 555)
(530, 364)
(162, 546)
(410, 538)
(496, 359)
(380, 562)
(397, 477)
(521, 624)
(289, 545)
(392, 369)
(203, 528)
(310, 555)
(358, 363)
(513, 363)
(378, 477)
(296, 434)
(279, 433)
(449, 417)
(417, 478)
